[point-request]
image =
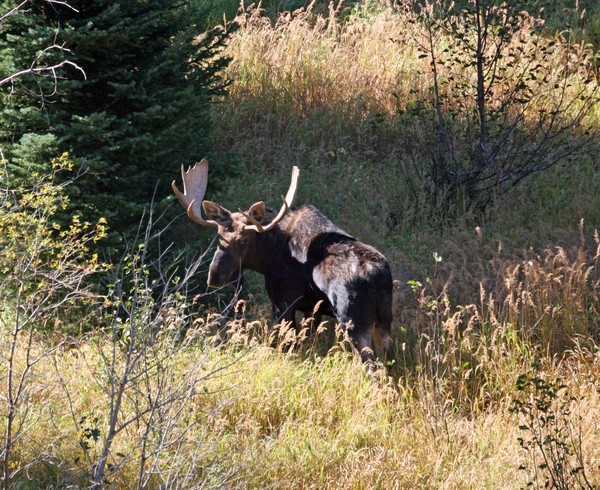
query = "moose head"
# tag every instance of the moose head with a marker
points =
(236, 230)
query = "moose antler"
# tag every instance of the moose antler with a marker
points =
(287, 204)
(195, 180)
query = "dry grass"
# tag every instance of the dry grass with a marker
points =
(243, 405)
(309, 81)
(266, 410)
(308, 86)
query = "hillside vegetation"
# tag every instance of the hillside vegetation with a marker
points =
(151, 384)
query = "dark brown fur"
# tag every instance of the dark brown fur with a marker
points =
(306, 259)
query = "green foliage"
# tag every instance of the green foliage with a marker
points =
(143, 109)
(26, 140)
(44, 266)
(552, 440)
(130, 109)
(577, 19)
(228, 8)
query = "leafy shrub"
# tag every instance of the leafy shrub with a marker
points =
(44, 275)
(551, 433)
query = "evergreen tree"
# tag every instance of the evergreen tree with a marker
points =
(143, 108)
(28, 43)
(139, 112)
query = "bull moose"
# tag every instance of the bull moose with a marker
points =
(304, 257)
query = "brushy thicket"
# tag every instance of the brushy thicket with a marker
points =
(496, 379)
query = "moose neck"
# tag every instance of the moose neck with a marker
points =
(265, 250)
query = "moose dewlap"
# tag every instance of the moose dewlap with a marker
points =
(304, 257)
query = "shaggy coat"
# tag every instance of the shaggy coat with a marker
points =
(305, 259)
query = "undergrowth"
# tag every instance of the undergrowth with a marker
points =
(157, 395)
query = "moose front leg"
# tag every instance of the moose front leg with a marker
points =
(362, 341)
(284, 304)
(284, 313)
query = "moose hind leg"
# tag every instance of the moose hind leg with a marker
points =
(383, 327)
(361, 336)
(283, 314)
(362, 341)
(358, 323)
(382, 338)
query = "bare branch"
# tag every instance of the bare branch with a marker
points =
(37, 70)
(37, 67)
(5, 16)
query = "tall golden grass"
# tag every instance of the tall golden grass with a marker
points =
(237, 403)
(307, 82)
(257, 407)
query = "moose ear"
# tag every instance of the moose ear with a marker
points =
(257, 211)
(216, 213)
